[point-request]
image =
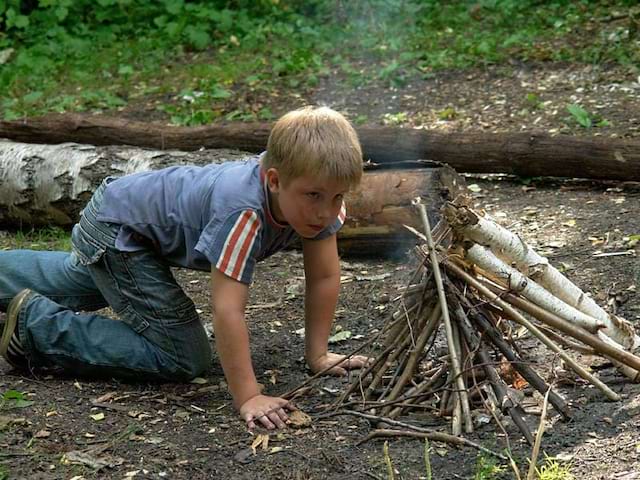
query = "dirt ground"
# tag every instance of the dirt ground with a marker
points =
(190, 431)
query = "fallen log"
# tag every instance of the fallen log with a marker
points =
(49, 185)
(526, 154)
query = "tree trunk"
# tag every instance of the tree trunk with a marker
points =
(525, 154)
(50, 184)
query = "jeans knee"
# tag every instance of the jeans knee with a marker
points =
(195, 364)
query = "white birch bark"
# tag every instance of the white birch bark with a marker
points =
(528, 288)
(510, 248)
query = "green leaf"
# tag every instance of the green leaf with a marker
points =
(61, 13)
(32, 97)
(580, 115)
(219, 92)
(15, 399)
(198, 37)
(340, 336)
(125, 70)
(13, 395)
(174, 6)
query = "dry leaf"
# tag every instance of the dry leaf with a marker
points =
(42, 434)
(299, 419)
(107, 397)
(261, 439)
(98, 416)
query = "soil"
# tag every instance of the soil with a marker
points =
(190, 431)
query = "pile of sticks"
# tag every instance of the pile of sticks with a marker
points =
(450, 346)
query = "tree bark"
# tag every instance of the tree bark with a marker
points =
(526, 154)
(50, 184)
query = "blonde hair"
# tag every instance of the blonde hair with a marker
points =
(315, 141)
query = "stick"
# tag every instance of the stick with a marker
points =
(518, 318)
(514, 411)
(322, 372)
(434, 436)
(437, 436)
(420, 388)
(608, 349)
(527, 373)
(536, 446)
(414, 356)
(455, 359)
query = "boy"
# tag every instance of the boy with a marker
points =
(222, 218)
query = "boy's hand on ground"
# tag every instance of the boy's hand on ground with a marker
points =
(341, 362)
(266, 411)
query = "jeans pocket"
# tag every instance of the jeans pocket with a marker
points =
(129, 316)
(180, 315)
(87, 251)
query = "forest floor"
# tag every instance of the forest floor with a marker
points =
(190, 431)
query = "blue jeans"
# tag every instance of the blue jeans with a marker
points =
(158, 335)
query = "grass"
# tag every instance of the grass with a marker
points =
(49, 238)
(552, 470)
(227, 73)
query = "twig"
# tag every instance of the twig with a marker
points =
(514, 411)
(434, 436)
(455, 360)
(437, 436)
(414, 356)
(322, 372)
(518, 318)
(580, 334)
(527, 373)
(536, 446)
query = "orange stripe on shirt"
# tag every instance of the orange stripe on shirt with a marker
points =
(232, 239)
(343, 213)
(244, 250)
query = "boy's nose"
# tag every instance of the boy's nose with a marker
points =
(324, 213)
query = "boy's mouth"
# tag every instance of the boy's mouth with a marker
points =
(317, 228)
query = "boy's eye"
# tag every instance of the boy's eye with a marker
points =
(313, 195)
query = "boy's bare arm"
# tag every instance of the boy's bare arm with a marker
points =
(322, 275)
(228, 299)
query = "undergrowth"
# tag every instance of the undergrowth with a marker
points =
(48, 238)
(197, 62)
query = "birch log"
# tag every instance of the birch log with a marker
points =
(50, 184)
(511, 249)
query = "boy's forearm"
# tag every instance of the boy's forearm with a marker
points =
(232, 344)
(320, 305)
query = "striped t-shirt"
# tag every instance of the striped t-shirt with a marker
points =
(196, 217)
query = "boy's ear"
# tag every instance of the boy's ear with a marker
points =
(273, 180)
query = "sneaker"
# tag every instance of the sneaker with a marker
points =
(10, 347)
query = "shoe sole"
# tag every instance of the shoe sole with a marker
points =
(11, 321)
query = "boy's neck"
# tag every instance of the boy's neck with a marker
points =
(273, 208)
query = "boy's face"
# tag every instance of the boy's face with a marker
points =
(307, 203)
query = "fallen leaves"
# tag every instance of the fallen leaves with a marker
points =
(98, 417)
(299, 419)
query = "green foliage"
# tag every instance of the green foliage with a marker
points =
(50, 238)
(487, 469)
(4, 473)
(83, 55)
(552, 470)
(584, 118)
(14, 399)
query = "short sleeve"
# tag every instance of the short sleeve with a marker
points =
(335, 226)
(235, 245)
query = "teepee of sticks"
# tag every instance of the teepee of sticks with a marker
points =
(476, 284)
